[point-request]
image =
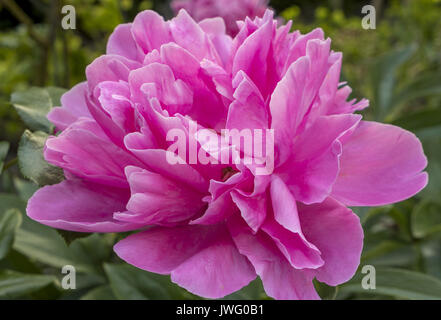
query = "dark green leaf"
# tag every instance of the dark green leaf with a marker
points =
(31, 161)
(100, 293)
(14, 284)
(34, 104)
(10, 201)
(384, 77)
(431, 252)
(426, 85)
(253, 291)
(419, 120)
(399, 283)
(131, 283)
(9, 223)
(47, 246)
(25, 188)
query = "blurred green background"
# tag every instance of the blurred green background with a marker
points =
(397, 67)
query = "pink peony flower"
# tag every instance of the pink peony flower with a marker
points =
(214, 227)
(231, 11)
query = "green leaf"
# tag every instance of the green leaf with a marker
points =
(9, 223)
(25, 188)
(399, 283)
(45, 245)
(55, 94)
(383, 78)
(100, 293)
(10, 201)
(15, 284)
(428, 84)
(131, 283)
(34, 104)
(431, 253)
(389, 253)
(426, 219)
(31, 161)
(4, 148)
(419, 120)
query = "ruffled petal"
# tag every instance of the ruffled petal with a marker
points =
(156, 200)
(280, 279)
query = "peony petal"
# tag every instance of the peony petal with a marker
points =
(337, 233)
(104, 163)
(248, 111)
(80, 206)
(284, 227)
(189, 35)
(73, 107)
(380, 164)
(202, 259)
(280, 279)
(150, 31)
(109, 68)
(156, 200)
(218, 210)
(251, 57)
(121, 43)
(115, 99)
(313, 166)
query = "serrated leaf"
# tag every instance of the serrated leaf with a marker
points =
(14, 284)
(34, 104)
(399, 283)
(130, 283)
(9, 223)
(31, 161)
(4, 148)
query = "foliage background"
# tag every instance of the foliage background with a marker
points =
(397, 67)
